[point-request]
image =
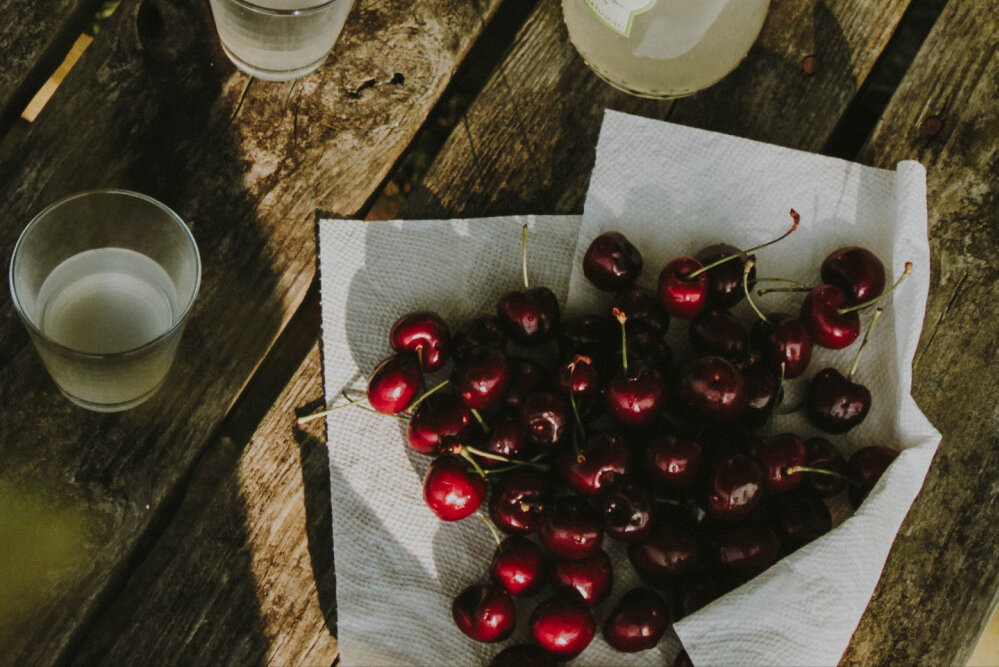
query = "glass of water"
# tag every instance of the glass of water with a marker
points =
(104, 282)
(279, 40)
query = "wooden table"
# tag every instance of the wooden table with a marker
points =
(195, 529)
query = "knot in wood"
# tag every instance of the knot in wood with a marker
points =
(810, 65)
(933, 125)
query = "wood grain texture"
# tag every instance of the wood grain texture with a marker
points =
(34, 37)
(943, 572)
(528, 143)
(154, 106)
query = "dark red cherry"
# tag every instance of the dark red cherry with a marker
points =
(735, 488)
(529, 317)
(637, 622)
(827, 326)
(671, 551)
(798, 518)
(637, 398)
(611, 262)
(394, 384)
(745, 551)
(439, 422)
(725, 280)
(682, 660)
(518, 566)
(426, 335)
(480, 331)
(589, 335)
(523, 655)
(545, 419)
(712, 388)
(698, 590)
(640, 304)
(570, 528)
(717, 332)
(628, 510)
(823, 455)
(856, 271)
(526, 378)
(783, 339)
(867, 465)
(646, 344)
(763, 395)
(673, 461)
(484, 613)
(601, 461)
(591, 578)
(451, 490)
(516, 501)
(563, 626)
(505, 438)
(481, 378)
(579, 376)
(779, 455)
(680, 295)
(834, 403)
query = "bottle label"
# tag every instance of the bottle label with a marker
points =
(618, 14)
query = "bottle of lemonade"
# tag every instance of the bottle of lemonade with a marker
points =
(663, 48)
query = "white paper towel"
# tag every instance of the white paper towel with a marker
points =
(671, 190)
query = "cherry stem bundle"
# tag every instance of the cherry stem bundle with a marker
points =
(867, 335)
(861, 306)
(465, 454)
(532, 463)
(794, 217)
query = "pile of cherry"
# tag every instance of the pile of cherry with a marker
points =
(608, 435)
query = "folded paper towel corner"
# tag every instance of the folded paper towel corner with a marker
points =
(671, 190)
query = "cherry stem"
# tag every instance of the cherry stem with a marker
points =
(867, 335)
(523, 255)
(860, 306)
(322, 413)
(491, 527)
(669, 501)
(478, 417)
(821, 471)
(465, 454)
(750, 263)
(780, 387)
(801, 288)
(622, 318)
(794, 217)
(404, 418)
(412, 406)
(572, 402)
(519, 464)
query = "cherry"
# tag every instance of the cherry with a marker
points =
(672, 460)
(779, 455)
(480, 331)
(591, 578)
(682, 293)
(640, 304)
(782, 339)
(717, 332)
(570, 528)
(526, 378)
(522, 655)
(628, 512)
(611, 262)
(425, 334)
(505, 439)
(563, 626)
(828, 327)
(394, 384)
(735, 488)
(711, 387)
(645, 343)
(671, 551)
(589, 336)
(484, 613)
(798, 518)
(516, 501)
(637, 622)
(682, 660)
(868, 465)
(578, 377)
(518, 566)
(451, 490)
(698, 590)
(763, 395)
(745, 551)
(857, 272)
(637, 396)
(545, 419)
(439, 422)
(481, 378)
(602, 460)
(724, 280)
(530, 317)
(823, 455)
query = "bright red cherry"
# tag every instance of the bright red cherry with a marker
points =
(712, 388)
(481, 378)
(451, 490)
(439, 422)
(570, 528)
(601, 461)
(735, 488)
(426, 335)
(635, 399)
(591, 578)
(611, 262)
(827, 326)
(518, 566)
(779, 456)
(484, 613)
(856, 271)
(867, 465)
(563, 626)
(522, 655)
(516, 501)
(637, 622)
(394, 384)
(681, 296)
(672, 551)
(579, 376)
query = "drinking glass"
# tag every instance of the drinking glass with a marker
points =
(663, 48)
(104, 282)
(279, 40)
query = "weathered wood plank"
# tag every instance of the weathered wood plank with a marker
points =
(154, 106)
(34, 38)
(527, 145)
(943, 572)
